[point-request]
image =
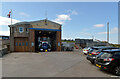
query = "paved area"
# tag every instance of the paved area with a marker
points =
(0, 44)
(0, 68)
(51, 64)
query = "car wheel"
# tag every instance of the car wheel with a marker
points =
(117, 71)
(92, 62)
(85, 54)
(65, 49)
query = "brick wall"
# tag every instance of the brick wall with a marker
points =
(58, 41)
(32, 40)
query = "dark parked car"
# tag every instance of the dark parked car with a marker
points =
(109, 60)
(67, 46)
(97, 50)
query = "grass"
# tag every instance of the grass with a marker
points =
(115, 45)
(68, 41)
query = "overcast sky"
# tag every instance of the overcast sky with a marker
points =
(78, 19)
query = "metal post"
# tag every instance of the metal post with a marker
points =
(93, 40)
(108, 33)
(46, 15)
(93, 37)
(11, 17)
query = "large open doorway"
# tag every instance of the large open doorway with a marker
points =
(51, 35)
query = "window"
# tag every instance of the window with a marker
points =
(19, 44)
(117, 54)
(94, 50)
(27, 30)
(15, 29)
(32, 44)
(21, 29)
(26, 43)
(4, 37)
(23, 44)
(106, 55)
(16, 44)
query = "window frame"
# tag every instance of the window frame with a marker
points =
(26, 44)
(23, 44)
(27, 30)
(15, 29)
(20, 29)
(16, 44)
(20, 44)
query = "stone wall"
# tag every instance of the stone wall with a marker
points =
(3, 51)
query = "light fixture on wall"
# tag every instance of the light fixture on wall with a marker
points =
(39, 31)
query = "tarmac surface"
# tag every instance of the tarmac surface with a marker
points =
(0, 67)
(0, 44)
(50, 64)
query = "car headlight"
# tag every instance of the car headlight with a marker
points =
(107, 63)
(49, 49)
(41, 49)
(94, 57)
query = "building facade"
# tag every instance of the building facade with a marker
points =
(24, 35)
(89, 43)
(84, 42)
(4, 42)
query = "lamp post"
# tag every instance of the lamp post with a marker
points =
(108, 32)
(93, 37)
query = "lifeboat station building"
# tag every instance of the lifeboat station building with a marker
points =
(24, 35)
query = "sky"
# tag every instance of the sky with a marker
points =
(79, 19)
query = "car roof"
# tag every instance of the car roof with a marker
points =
(104, 47)
(112, 50)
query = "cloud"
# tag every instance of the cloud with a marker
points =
(72, 12)
(7, 21)
(62, 18)
(24, 14)
(6, 33)
(112, 31)
(85, 33)
(102, 33)
(99, 25)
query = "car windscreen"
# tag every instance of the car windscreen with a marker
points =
(94, 50)
(99, 54)
(110, 48)
(105, 55)
(45, 44)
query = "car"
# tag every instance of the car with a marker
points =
(86, 50)
(109, 60)
(67, 46)
(44, 46)
(76, 47)
(96, 51)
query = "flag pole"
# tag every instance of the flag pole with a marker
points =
(11, 17)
